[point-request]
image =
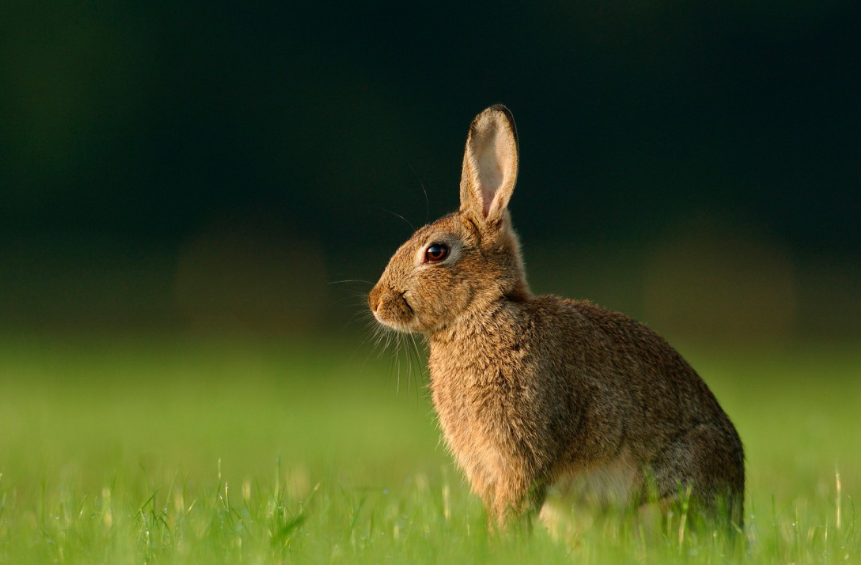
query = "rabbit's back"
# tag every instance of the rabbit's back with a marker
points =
(636, 391)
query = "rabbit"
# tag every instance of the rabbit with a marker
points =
(531, 391)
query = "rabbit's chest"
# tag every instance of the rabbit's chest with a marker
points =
(481, 415)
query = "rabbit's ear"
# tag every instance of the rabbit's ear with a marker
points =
(489, 165)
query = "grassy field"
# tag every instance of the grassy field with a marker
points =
(167, 450)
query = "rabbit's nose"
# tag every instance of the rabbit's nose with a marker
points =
(375, 298)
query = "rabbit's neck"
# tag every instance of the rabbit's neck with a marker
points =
(479, 336)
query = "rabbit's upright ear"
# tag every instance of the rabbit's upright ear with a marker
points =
(489, 165)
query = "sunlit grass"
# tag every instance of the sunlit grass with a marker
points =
(166, 450)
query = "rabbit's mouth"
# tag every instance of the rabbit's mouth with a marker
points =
(392, 309)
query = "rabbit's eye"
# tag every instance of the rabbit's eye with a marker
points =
(436, 252)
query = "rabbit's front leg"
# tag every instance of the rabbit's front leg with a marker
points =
(519, 496)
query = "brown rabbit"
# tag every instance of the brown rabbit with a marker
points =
(535, 390)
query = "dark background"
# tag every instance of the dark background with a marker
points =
(217, 166)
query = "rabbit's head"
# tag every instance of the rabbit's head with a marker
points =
(467, 260)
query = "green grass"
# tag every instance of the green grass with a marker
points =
(164, 450)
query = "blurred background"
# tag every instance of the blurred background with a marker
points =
(216, 167)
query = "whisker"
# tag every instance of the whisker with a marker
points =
(421, 184)
(382, 343)
(418, 371)
(372, 330)
(408, 353)
(343, 299)
(401, 217)
(351, 281)
(419, 367)
(399, 348)
(418, 355)
(398, 362)
(402, 340)
(361, 312)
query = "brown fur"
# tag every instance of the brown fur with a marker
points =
(531, 390)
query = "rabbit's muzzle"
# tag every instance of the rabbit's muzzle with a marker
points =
(391, 308)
